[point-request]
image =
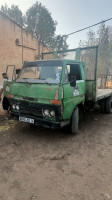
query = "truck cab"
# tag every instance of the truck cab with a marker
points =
(51, 92)
(47, 92)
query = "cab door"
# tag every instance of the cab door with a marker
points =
(11, 73)
(72, 96)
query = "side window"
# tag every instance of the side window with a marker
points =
(72, 70)
(75, 71)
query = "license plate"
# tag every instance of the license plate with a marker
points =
(25, 119)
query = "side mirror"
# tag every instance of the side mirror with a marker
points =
(73, 81)
(17, 71)
(5, 76)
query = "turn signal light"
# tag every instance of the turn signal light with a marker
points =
(10, 96)
(57, 102)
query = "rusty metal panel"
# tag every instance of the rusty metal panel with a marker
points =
(90, 90)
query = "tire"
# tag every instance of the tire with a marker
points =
(5, 103)
(102, 104)
(108, 105)
(74, 124)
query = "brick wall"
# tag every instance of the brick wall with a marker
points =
(10, 52)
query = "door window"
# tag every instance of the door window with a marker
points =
(72, 70)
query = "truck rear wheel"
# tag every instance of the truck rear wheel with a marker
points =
(74, 124)
(108, 105)
(102, 104)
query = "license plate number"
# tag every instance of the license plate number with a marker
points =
(25, 119)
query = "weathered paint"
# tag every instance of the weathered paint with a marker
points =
(90, 90)
(41, 92)
(44, 93)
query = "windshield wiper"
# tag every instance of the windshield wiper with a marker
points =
(46, 81)
(27, 81)
(37, 82)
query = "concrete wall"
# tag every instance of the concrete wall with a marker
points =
(10, 52)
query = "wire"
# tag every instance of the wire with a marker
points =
(88, 27)
(85, 28)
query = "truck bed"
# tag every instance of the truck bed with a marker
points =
(102, 93)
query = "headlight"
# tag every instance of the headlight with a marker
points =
(46, 112)
(7, 88)
(17, 107)
(52, 113)
(14, 106)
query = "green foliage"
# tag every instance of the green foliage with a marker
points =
(14, 13)
(40, 23)
(59, 43)
(4, 9)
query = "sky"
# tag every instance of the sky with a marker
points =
(71, 15)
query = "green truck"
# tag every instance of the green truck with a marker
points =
(51, 92)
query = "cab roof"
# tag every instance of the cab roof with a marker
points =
(54, 62)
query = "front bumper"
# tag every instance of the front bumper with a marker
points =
(43, 122)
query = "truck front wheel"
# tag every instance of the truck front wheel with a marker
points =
(108, 105)
(74, 124)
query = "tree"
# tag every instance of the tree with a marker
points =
(104, 40)
(58, 43)
(105, 49)
(91, 39)
(4, 9)
(40, 23)
(14, 13)
(89, 55)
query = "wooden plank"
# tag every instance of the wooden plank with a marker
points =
(102, 93)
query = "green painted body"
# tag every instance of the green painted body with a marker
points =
(44, 93)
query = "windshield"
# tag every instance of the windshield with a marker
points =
(40, 74)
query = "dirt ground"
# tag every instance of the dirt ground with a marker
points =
(44, 164)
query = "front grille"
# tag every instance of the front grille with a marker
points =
(31, 108)
(28, 107)
(35, 109)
